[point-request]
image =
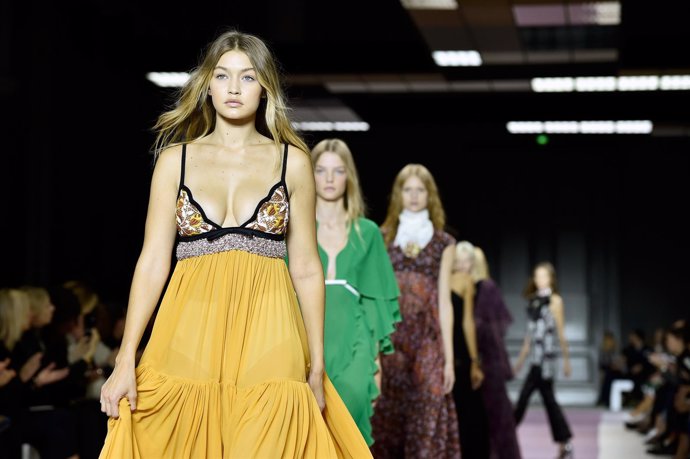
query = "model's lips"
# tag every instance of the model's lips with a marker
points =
(233, 103)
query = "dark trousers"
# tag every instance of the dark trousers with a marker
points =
(559, 426)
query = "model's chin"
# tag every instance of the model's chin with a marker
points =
(330, 196)
(237, 115)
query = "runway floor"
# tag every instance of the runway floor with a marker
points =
(598, 434)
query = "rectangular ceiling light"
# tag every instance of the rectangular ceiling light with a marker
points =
(581, 127)
(675, 82)
(168, 79)
(595, 13)
(469, 58)
(622, 83)
(539, 15)
(555, 14)
(564, 84)
(430, 4)
(638, 83)
(331, 126)
(592, 84)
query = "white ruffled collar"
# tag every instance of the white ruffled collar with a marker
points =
(415, 230)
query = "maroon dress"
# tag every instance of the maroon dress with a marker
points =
(413, 418)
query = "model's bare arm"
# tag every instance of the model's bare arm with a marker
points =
(150, 274)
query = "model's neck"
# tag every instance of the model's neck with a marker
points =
(234, 133)
(331, 212)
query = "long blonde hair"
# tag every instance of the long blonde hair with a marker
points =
(194, 116)
(354, 200)
(14, 312)
(38, 297)
(480, 270)
(434, 205)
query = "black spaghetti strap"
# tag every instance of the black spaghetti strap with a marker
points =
(182, 164)
(285, 154)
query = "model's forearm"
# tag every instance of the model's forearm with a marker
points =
(470, 330)
(309, 286)
(147, 283)
(564, 346)
(446, 318)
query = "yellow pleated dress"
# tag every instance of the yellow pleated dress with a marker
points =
(224, 374)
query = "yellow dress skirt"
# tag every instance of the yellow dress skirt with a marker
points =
(224, 374)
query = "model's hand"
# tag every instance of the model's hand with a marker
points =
(448, 378)
(121, 383)
(476, 376)
(566, 369)
(316, 384)
(377, 379)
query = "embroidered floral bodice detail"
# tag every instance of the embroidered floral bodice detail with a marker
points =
(270, 216)
(190, 222)
(273, 215)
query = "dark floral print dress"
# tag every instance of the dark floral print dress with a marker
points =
(413, 417)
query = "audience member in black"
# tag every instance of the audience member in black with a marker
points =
(682, 396)
(610, 366)
(636, 355)
(671, 440)
(50, 432)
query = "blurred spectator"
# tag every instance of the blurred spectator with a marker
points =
(611, 365)
(637, 365)
(50, 431)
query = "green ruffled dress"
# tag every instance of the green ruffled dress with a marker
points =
(361, 313)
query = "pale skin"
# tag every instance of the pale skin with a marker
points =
(415, 197)
(330, 176)
(542, 280)
(462, 284)
(229, 176)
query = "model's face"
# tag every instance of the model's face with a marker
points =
(234, 88)
(542, 278)
(44, 315)
(463, 262)
(415, 196)
(330, 175)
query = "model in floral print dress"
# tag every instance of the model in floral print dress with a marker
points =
(415, 416)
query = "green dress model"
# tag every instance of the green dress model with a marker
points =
(361, 313)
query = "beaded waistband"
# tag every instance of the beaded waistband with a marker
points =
(232, 241)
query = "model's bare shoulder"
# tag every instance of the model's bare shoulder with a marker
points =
(298, 167)
(556, 302)
(168, 164)
(170, 157)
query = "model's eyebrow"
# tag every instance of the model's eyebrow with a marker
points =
(241, 71)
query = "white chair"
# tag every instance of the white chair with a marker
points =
(618, 386)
